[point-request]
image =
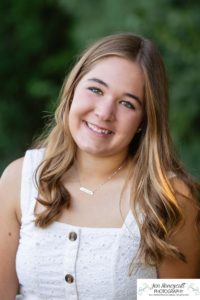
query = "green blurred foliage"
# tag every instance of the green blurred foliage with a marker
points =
(39, 41)
(35, 50)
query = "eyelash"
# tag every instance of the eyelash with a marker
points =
(127, 104)
(95, 90)
(98, 91)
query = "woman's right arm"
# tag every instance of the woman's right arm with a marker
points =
(10, 185)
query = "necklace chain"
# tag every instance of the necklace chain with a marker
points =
(92, 192)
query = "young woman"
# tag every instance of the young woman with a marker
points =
(102, 200)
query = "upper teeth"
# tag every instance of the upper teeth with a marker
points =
(98, 130)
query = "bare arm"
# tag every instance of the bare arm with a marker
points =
(187, 239)
(9, 228)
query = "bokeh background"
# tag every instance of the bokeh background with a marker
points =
(40, 40)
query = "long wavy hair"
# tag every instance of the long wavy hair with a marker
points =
(153, 196)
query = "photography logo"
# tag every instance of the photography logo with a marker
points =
(168, 289)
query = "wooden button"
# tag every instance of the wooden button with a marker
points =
(69, 278)
(72, 236)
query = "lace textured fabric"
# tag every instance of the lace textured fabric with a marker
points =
(70, 262)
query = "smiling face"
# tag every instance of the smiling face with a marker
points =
(107, 108)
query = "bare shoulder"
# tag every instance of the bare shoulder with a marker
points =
(180, 186)
(186, 238)
(10, 185)
(185, 199)
(13, 169)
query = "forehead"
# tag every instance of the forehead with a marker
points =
(117, 72)
(114, 63)
(115, 66)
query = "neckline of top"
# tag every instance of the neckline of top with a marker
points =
(126, 224)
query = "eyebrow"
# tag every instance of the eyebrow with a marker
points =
(107, 86)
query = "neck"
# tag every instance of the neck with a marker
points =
(95, 169)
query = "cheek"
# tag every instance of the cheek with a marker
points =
(130, 127)
(74, 116)
(82, 101)
(75, 110)
(78, 110)
(132, 122)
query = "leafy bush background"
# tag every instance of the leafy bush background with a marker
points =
(41, 39)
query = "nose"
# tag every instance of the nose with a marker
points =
(105, 110)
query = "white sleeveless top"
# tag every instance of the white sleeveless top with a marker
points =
(70, 262)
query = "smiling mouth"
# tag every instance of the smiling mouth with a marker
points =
(98, 129)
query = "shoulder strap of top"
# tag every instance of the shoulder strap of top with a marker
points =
(32, 159)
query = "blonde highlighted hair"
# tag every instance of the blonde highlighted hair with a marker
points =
(153, 196)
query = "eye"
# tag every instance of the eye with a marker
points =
(127, 104)
(95, 90)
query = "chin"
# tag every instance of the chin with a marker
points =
(94, 151)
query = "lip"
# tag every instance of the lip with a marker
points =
(99, 130)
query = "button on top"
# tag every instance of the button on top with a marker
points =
(72, 236)
(69, 278)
